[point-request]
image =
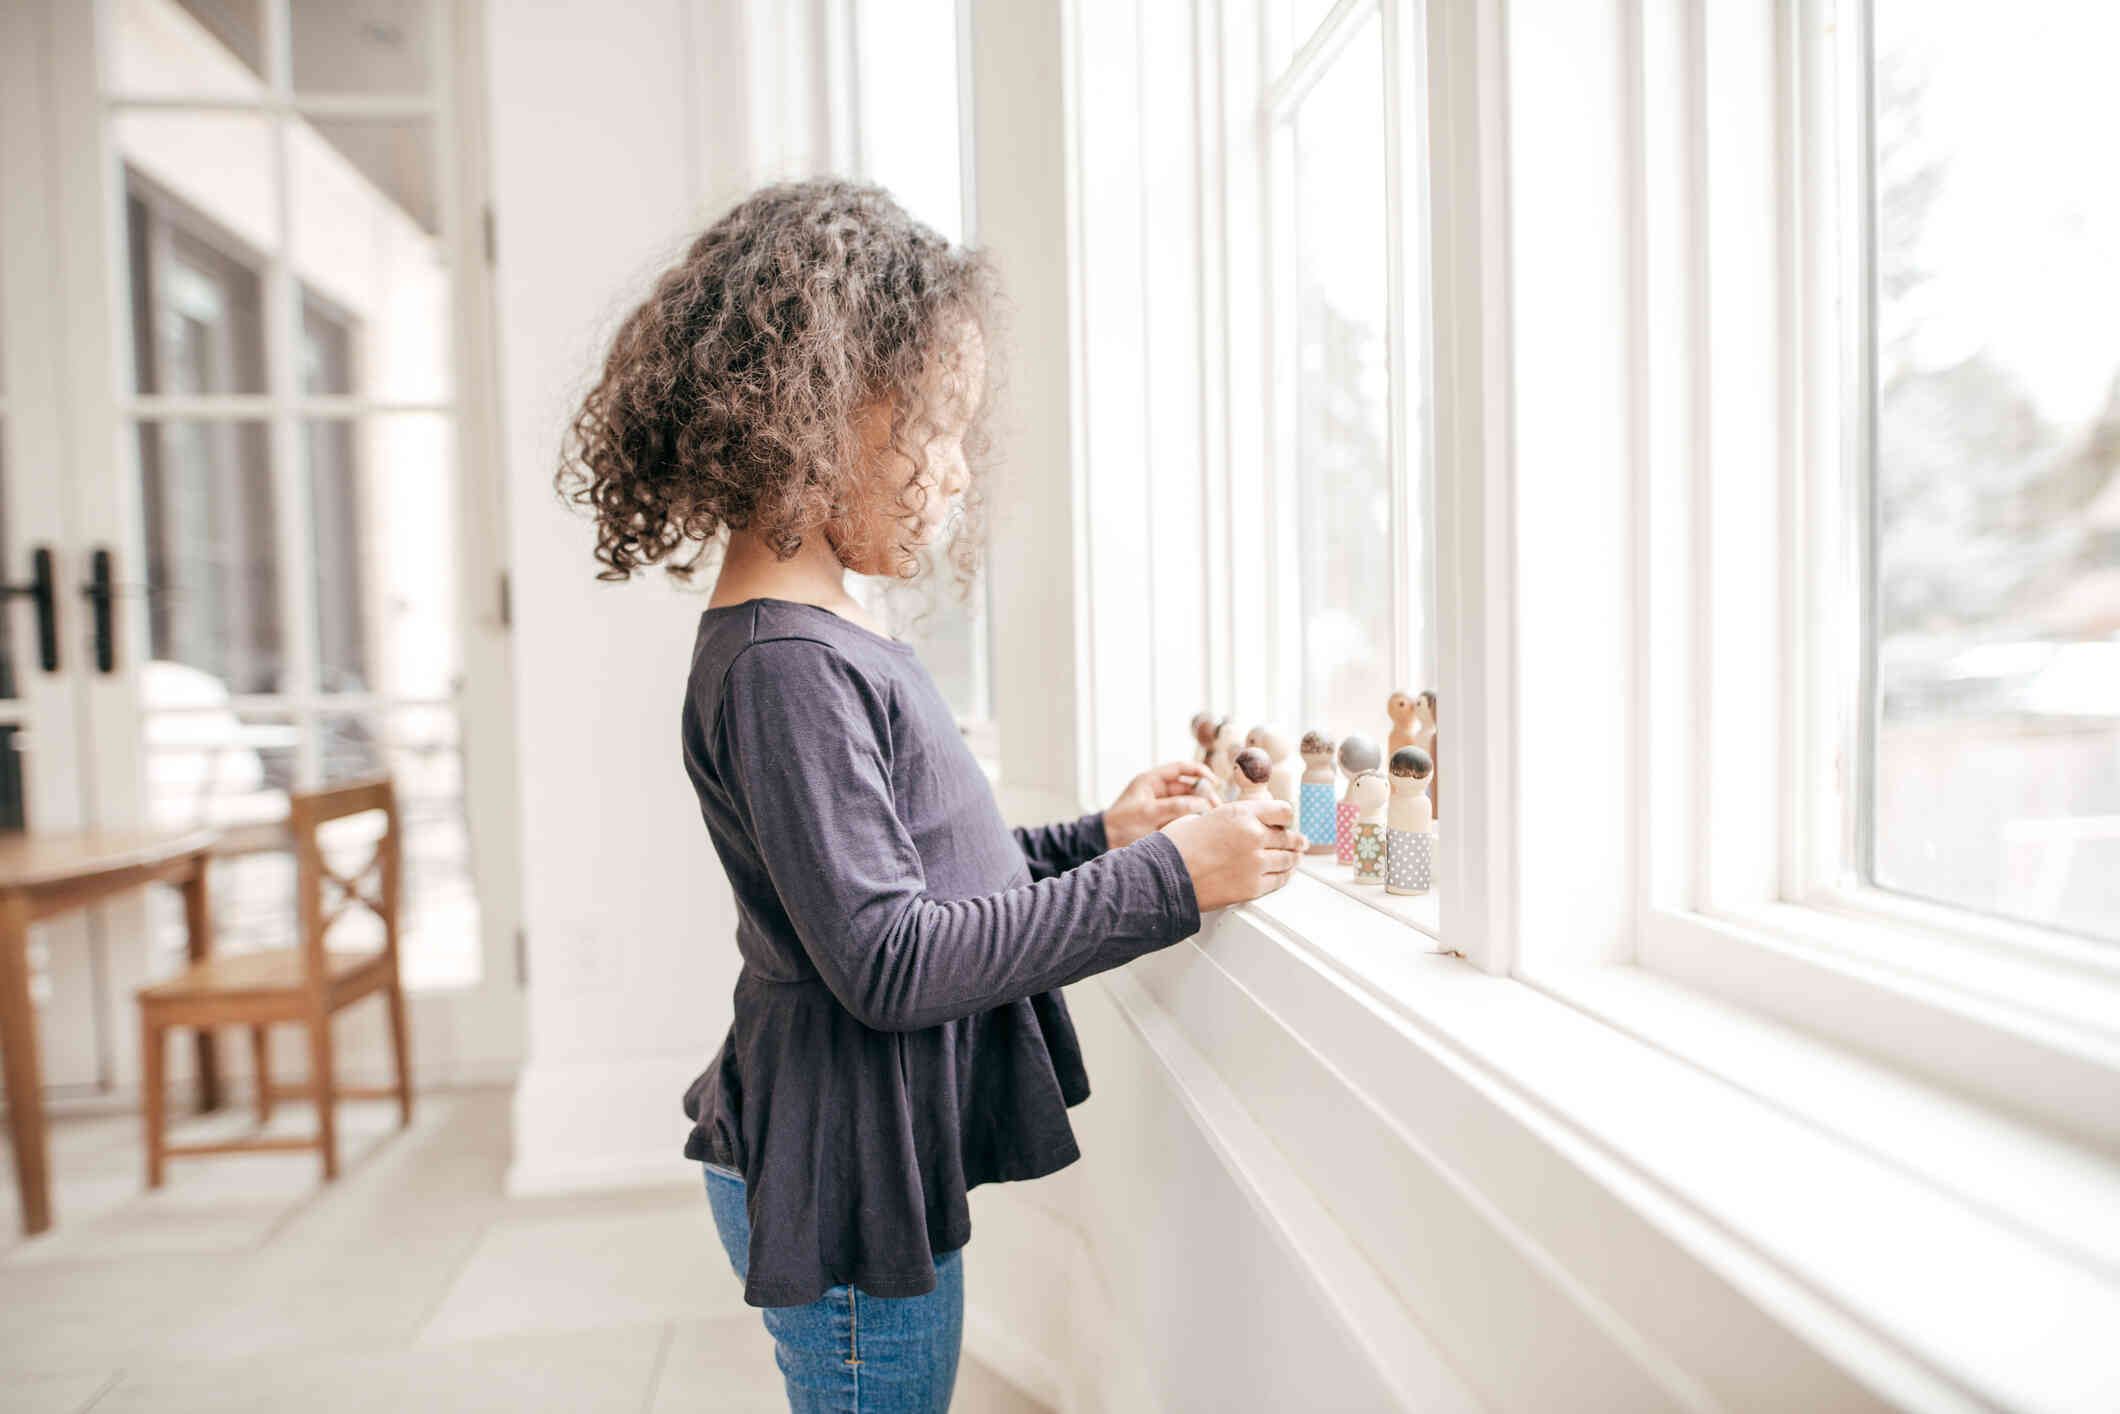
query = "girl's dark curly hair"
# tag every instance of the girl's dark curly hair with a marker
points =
(730, 396)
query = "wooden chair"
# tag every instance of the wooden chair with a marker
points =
(305, 984)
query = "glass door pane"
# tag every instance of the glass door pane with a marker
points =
(292, 325)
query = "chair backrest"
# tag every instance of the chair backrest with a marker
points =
(306, 811)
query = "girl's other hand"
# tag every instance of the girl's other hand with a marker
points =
(1152, 800)
(1238, 851)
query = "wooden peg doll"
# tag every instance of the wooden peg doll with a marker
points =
(1222, 756)
(1409, 836)
(1253, 766)
(1404, 710)
(1357, 754)
(1369, 793)
(1424, 709)
(1287, 773)
(1314, 813)
(1203, 730)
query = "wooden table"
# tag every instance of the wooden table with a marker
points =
(46, 874)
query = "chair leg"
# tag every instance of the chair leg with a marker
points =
(261, 1067)
(401, 1047)
(320, 1083)
(152, 1037)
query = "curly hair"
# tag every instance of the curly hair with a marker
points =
(730, 396)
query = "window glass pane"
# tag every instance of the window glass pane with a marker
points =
(1997, 565)
(384, 526)
(366, 249)
(1342, 480)
(200, 48)
(420, 747)
(206, 764)
(197, 298)
(946, 625)
(362, 46)
(207, 511)
(911, 143)
(909, 120)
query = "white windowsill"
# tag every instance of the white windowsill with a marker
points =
(2030, 1035)
(1417, 911)
(1935, 1248)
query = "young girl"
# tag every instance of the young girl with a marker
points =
(805, 391)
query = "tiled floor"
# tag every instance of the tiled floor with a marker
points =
(412, 1283)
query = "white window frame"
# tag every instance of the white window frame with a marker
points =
(1750, 888)
(1602, 1088)
(1690, 844)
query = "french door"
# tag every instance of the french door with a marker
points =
(247, 415)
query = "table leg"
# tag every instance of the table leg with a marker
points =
(25, 1085)
(198, 943)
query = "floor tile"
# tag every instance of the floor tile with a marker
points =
(576, 1273)
(723, 1365)
(588, 1371)
(55, 1394)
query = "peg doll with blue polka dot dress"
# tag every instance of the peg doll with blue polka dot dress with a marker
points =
(1314, 816)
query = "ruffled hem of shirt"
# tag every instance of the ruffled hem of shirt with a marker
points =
(1038, 1139)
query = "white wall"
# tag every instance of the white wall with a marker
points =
(597, 183)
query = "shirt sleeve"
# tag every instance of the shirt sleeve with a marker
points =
(1057, 848)
(805, 742)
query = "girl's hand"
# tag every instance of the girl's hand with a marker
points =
(1239, 851)
(1152, 800)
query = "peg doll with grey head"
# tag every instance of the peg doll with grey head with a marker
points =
(1357, 754)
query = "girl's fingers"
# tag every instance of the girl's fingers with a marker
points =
(1172, 807)
(1276, 813)
(1175, 777)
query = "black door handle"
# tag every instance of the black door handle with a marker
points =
(102, 594)
(43, 590)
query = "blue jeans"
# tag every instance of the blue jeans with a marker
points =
(849, 1352)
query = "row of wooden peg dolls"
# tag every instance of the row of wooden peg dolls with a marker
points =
(1382, 826)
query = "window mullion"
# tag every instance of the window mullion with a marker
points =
(290, 485)
(1398, 225)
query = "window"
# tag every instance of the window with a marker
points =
(1991, 668)
(293, 404)
(1349, 484)
(910, 138)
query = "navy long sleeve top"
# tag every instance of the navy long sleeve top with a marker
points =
(899, 1037)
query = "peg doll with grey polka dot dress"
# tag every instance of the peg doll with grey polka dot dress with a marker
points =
(1409, 836)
